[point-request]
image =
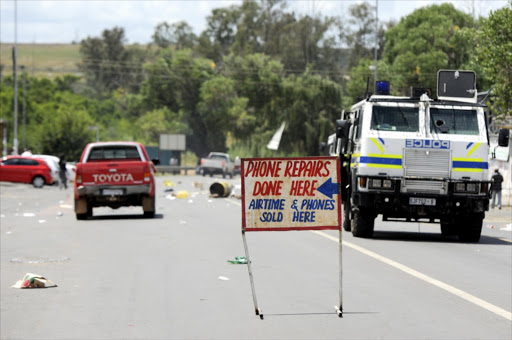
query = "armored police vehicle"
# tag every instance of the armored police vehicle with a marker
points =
(416, 159)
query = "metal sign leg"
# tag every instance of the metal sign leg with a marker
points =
(339, 309)
(256, 309)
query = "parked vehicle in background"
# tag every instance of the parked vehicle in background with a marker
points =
(238, 165)
(70, 168)
(217, 163)
(114, 174)
(25, 170)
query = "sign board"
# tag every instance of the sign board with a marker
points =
(456, 85)
(172, 142)
(280, 194)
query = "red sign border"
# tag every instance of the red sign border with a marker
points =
(338, 180)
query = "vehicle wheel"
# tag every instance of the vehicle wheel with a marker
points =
(346, 216)
(363, 222)
(223, 174)
(448, 229)
(203, 173)
(81, 217)
(470, 228)
(148, 205)
(231, 175)
(38, 182)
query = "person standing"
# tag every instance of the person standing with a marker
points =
(496, 180)
(62, 173)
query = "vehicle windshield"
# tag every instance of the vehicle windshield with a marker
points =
(453, 121)
(395, 118)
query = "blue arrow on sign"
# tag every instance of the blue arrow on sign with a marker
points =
(329, 188)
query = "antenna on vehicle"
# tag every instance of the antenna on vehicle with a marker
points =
(367, 93)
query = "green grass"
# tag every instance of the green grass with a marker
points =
(42, 60)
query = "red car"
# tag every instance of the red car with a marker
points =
(25, 170)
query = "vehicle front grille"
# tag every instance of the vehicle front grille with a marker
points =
(426, 163)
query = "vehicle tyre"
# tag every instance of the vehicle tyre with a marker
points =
(346, 216)
(88, 210)
(38, 182)
(148, 205)
(203, 172)
(470, 228)
(232, 174)
(223, 174)
(448, 229)
(363, 222)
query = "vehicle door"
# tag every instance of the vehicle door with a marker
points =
(9, 170)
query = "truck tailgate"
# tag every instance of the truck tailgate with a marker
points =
(115, 173)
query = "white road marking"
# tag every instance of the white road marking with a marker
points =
(455, 291)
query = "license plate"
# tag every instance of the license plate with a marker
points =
(112, 192)
(422, 201)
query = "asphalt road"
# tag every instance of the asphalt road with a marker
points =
(121, 276)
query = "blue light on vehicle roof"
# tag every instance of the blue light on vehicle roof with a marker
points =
(382, 87)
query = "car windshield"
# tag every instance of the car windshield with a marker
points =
(395, 118)
(453, 121)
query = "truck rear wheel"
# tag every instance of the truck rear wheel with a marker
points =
(363, 222)
(148, 206)
(470, 227)
(346, 216)
(83, 209)
(448, 229)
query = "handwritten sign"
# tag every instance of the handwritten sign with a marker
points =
(290, 194)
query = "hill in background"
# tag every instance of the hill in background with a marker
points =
(41, 60)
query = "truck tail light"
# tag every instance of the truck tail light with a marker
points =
(362, 182)
(202, 161)
(223, 163)
(147, 176)
(78, 179)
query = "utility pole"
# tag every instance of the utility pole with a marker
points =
(376, 36)
(3, 126)
(24, 75)
(15, 76)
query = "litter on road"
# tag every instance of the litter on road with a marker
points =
(33, 281)
(239, 260)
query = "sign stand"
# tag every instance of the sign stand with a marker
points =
(256, 309)
(339, 309)
(281, 194)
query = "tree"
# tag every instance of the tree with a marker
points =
(215, 42)
(493, 53)
(427, 40)
(107, 64)
(179, 35)
(64, 131)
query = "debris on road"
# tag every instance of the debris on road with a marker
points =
(182, 194)
(168, 183)
(220, 189)
(33, 281)
(223, 278)
(508, 227)
(239, 260)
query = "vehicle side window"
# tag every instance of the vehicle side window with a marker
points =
(359, 121)
(26, 162)
(12, 161)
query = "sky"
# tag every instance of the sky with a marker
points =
(65, 21)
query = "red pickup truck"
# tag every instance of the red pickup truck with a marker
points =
(114, 174)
